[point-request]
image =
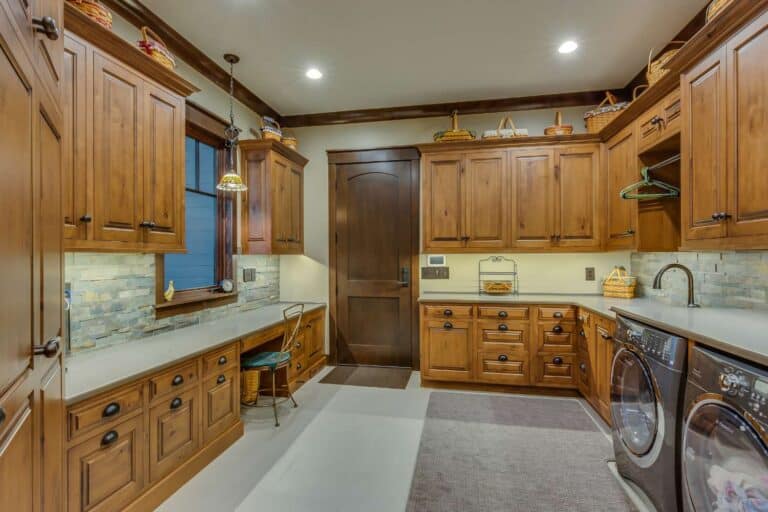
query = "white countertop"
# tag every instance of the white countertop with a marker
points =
(95, 371)
(741, 332)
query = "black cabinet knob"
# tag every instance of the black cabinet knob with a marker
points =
(582, 333)
(109, 438)
(221, 379)
(447, 312)
(177, 380)
(503, 327)
(447, 325)
(558, 314)
(583, 367)
(86, 218)
(222, 360)
(558, 329)
(503, 314)
(557, 360)
(111, 410)
(50, 349)
(176, 403)
(605, 335)
(47, 26)
(503, 358)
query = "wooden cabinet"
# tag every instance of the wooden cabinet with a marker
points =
(272, 213)
(554, 360)
(578, 197)
(725, 118)
(533, 194)
(442, 201)
(604, 349)
(174, 432)
(447, 350)
(659, 123)
(123, 139)
(221, 394)
(621, 169)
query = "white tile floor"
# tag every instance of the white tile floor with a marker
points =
(344, 449)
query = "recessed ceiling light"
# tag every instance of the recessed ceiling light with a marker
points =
(314, 74)
(568, 47)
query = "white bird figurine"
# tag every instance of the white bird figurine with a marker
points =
(168, 293)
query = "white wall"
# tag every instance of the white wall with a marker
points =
(306, 277)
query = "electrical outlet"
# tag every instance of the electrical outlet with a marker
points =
(590, 273)
(435, 272)
(249, 275)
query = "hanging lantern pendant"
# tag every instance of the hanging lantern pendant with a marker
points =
(231, 180)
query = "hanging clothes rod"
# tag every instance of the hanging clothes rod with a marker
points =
(664, 163)
(633, 191)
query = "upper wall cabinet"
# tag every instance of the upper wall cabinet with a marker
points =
(725, 109)
(621, 169)
(123, 172)
(272, 208)
(512, 196)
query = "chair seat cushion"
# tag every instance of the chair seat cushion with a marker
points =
(265, 360)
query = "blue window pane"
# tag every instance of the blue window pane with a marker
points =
(207, 168)
(196, 268)
(190, 159)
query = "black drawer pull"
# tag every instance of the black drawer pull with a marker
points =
(558, 329)
(298, 344)
(503, 358)
(447, 325)
(222, 360)
(503, 327)
(503, 314)
(109, 438)
(177, 380)
(583, 367)
(605, 335)
(582, 333)
(298, 367)
(558, 314)
(557, 360)
(221, 379)
(111, 410)
(176, 403)
(447, 312)
(86, 218)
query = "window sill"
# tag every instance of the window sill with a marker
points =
(197, 300)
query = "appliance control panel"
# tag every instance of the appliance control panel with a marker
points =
(661, 346)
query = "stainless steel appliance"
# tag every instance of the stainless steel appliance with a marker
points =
(647, 383)
(724, 443)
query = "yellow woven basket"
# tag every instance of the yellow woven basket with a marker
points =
(94, 10)
(152, 45)
(619, 284)
(249, 386)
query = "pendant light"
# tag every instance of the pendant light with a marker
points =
(231, 180)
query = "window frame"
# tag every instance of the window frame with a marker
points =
(208, 129)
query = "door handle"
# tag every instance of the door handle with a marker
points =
(405, 276)
(86, 218)
(50, 349)
(47, 25)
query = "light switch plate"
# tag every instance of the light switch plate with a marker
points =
(249, 275)
(435, 272)
(589, 273)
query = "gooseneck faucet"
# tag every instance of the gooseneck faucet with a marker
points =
(689, 275)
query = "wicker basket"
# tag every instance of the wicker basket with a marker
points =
(619, 284)
(599, 118)
(505, 130)
(656, 69)
(716, 7)
(94, 10)
(497, 287)
(559, 128)
(249, 386)
(152, 45)
(270, 129)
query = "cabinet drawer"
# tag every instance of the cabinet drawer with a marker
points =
(299, 347)
(174, 434)
(503, 367)
(448, 311)
(173, 379)
(297, 367)
(84, 418)
(557, 370)
(502, 335)
(106, 472)
(557, 313)
(503, 312)
(649, 128)
(672, 113)
(221, 404)
(219, 360)
(557, 336)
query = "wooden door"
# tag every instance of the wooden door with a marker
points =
(49, 49)
(487, 193)
(703, 149)
(443, 201)
(281, 203)
(221, 406)
(577, 188)
(747, 125)
(163, 195)
(117, 152)
(375, 232)
(75, 181)
(447, 349)
(603, 334)
(257, 229)
(296, 215)
(316, 338)
(533, 195)
(174, 432)
(622, 170)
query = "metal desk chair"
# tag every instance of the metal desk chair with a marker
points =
(275, 361)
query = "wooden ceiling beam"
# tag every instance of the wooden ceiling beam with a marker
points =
(139, 15)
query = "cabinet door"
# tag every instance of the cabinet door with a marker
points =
(52, 420)
(221, 403)
(622, 170)
(74, 134)
(447, 350)
(106, 472)
(487, 192)
(578, 191)
(296, 195)
(18, 485)
(256, 226)
(533, 195)
(281, 203)
(163, 195)
(747, 122)
(443, 201)
(316, 338)
(702, 148)
(174, 434)
(49, 51)
(603, 334)
(117, 151)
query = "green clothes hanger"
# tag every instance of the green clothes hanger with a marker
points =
(647, 181)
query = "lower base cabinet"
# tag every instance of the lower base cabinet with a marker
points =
(174, 432)
(221, 403)
(447, 349)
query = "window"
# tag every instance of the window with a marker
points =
(197, 273)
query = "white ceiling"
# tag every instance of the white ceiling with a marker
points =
(384, 53)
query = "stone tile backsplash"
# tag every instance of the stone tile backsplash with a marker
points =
(113, 297)
(727, 279)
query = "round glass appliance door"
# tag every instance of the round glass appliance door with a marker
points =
(634, 403)
(725, 461)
